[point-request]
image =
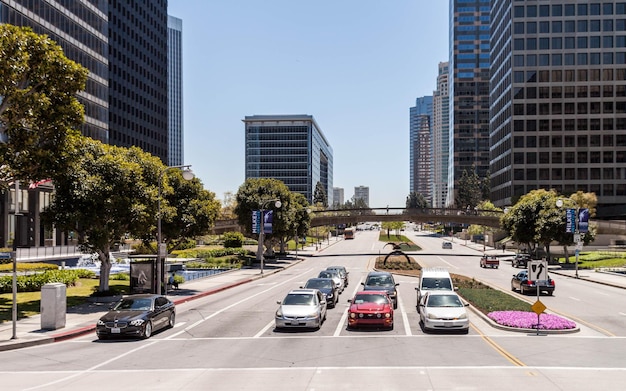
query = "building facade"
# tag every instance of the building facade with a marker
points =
(338, 196)
(558, 93)
(420, 148)
(175, 150)
(291, 148)
(440, 138)
(469, 92)
(362, 193)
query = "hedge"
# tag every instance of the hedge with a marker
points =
(34, 282)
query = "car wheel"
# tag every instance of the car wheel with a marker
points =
(512, 288)
(466, 331)
(103, 337)
(550, 293)
(172, 320)
(521, 290)
(147, 330)
(395, 305)
(391, 327)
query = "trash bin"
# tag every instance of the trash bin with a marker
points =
(53, 306)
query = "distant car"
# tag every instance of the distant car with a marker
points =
(521, 282)
(377, 281)
(443, 310)
(446, 245)
(342, 271)
(489, 261)
(137, 316)
(334, 274)
(371, 308)
(520, 260)
(327, 287)
(301, 308)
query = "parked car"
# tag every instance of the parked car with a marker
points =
(371, 308)
(342, 271)
(377, 281)
(520, 260)
(446, 245)
(327, 287)
(443, 310)
(301, 308)
(521, 282)
(489, 261)
(137, 316)
(334, 274)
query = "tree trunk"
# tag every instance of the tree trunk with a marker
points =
(566, 254)
(105, 269)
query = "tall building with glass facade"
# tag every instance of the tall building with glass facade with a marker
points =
(175, 148)
(338, 196)
(420, 147)
(362, 193)
(291, 148)
(469, 91)
(558, 100)
(440, 138)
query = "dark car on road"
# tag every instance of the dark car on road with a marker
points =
(382, 281)
(342, 272)
(327, 287)
(521, 283)
(137, 316)
(520, 260)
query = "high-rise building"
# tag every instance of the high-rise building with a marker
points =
(420, 152)
(338, 199)
(469, 91)
(175, 150)
(362, 193)
(291, 148)
(558, 100)
(138, 82)
(440, 138)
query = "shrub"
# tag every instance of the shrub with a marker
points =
(34, 282)
(120, 277)
(233, 239)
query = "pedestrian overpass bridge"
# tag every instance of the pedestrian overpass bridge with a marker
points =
(488, 218)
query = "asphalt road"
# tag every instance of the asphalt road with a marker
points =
(227, 341)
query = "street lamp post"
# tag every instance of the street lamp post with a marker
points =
(260, 247)
(577, 239)
(162, 247)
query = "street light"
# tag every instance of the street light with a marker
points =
(577, 239)
(162, 247)
(260, 248)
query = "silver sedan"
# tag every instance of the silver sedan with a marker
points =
(301, 308)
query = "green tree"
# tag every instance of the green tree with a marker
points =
(577, 200)
(469, 192)
(38, 105)
(103, 196)
(252, 195)
(319, 196)
(416, 200)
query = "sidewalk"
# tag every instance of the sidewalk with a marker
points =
(82, 319)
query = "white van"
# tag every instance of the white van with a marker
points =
(434, 278)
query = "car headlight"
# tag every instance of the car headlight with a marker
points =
(100, 323)
(136, 322)
(352, 315)
(313, 315)
(279, 314)
(462, 316)
(432, 316)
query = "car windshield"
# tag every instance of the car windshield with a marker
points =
(296, 299)
(430, 283)
(318, 284)
(371, 298)
(379, 281)
(444, 301)
(134, 305)
(326, 275)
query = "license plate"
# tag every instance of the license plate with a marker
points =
(115, 330)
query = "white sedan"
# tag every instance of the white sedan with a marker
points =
(443, 310)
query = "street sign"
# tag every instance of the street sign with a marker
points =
(538, 270)
(538, 307)
(571, 220)
(256, 221)
(5, 255)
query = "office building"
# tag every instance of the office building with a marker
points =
(469, 92)
(362, 193)
(440, 138)
(175, 150)
(420, 153)
(291, 148)
(338, 198)
(558, 93)
(138, 66)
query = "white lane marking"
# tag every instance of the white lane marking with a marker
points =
(405, 318)
(574, 298)
(621, 313)
(447, 263)
(344, 316)
(264, 329)
(181, 324)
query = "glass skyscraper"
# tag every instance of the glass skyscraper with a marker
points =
(176, 155)
(420, 147)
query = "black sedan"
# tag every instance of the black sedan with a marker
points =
(137, 316)
(521, 282)
(327, 287)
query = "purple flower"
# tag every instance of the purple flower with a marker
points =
(528, 320)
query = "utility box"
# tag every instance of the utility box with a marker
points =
(53, 306)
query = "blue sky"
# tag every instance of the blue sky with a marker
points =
(356, 66)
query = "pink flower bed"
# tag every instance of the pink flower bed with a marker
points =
(528, 320)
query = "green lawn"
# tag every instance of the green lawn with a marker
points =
(28, 303)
